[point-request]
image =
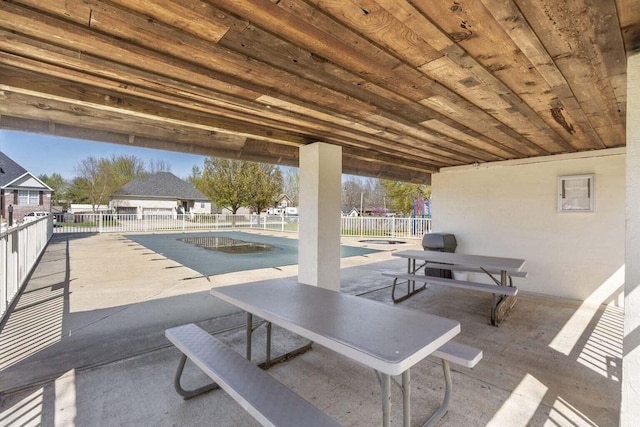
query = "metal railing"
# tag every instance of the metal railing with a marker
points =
(374, 227)
(20, 249)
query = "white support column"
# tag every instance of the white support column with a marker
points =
(320, 195)
(630, 409)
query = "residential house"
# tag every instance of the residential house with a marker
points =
(161, 193)
(21, 190)
(347, 211)
(283, 201)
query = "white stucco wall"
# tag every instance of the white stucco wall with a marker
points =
(510, 209)
(630, 410)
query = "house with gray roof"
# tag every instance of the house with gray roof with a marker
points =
(21, 190)
(159, 194)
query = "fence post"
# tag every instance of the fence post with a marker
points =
(183, 221)
(100, 230)
(282, 222)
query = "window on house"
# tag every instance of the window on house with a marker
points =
(202, 205)
(28, 197)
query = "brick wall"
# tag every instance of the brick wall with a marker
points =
(19, 211)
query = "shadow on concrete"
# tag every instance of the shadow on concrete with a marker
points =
(118, 366)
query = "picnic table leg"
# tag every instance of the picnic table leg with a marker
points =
(444, 407)
(411, 284)
(188, 394)
(249, 334)
(270, 362)
(501, 304)
(406, 398)
(385, 382)
(504, 303)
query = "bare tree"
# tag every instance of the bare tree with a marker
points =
(352, 192)
(374, 193)
(291, 186)
(158, 166)
(95, 180)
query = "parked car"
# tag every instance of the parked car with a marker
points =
(37, 215)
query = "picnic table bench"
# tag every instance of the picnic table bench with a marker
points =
(503, 291)
(269, 401)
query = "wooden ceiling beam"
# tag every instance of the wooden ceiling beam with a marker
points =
(390, 81)
(494, 63)
(476, 154)
(71, 35)
(369, 61)
(120, 98)
(251, 151)
(570, 38)
(514, 23)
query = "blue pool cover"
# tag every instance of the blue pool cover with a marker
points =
(209, 262)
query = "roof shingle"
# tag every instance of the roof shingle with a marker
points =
(160, 185)
(11, 169)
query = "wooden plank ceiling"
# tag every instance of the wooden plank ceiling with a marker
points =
(404, 86)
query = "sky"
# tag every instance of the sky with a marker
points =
(45, 155)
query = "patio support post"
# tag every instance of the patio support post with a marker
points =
(319, 236)
(630, 409)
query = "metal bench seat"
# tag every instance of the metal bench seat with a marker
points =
(483, 287)
(455, 267)
(270, 402)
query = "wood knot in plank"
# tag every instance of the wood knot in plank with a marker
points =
(557, 115)
(460, 36)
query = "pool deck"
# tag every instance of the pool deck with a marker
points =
(85, 346)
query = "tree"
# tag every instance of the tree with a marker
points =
(236, 183)
(291, 185)
(352, 192)
(158, 166)
(267, 184)
(76, 192)
(97, 178)
(400, 195)
(365, 193)
(125, 169)
(59, 186)
(374, 196)
(195, 177)
(225, 182)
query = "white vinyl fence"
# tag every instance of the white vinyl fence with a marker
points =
(22, 245)
(374, 227)
(20, 249)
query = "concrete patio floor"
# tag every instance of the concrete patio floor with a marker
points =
(85, 346)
